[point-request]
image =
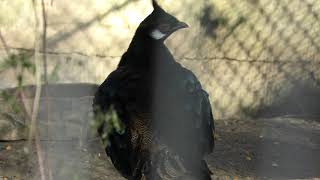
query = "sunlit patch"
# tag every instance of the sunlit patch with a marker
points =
(116, 21)
(157, 34)
(133, 16)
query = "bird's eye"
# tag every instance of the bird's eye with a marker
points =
(164, 27)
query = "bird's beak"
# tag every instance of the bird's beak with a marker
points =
(180, 25)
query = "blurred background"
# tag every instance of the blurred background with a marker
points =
(258, 59)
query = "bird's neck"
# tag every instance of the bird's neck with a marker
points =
(145, 52)
(141, 44)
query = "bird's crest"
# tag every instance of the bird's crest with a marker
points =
(155, 4)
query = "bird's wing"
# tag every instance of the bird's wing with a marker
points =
(111, 103)
(124, 93)
(183, 117)
(198, 123)
(183, 109)
(198, 107)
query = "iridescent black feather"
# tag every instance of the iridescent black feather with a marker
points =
(166, 114)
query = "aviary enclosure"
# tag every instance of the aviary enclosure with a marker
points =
(259, 61)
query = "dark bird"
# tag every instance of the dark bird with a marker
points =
(165, 123)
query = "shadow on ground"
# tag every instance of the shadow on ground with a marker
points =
(277, 148)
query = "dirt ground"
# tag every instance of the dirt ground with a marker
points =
(262, 148)
(276, 148)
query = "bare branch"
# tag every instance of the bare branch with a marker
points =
(33, 126)
(40, 157)
(6, 48)
(25, 105)
(44, 41)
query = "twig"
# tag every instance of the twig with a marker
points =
(82, 26)
(20, 94)
(44, 41)
(40, 156)
(33, 129)
(45, 67)
(25, 105)
(5, 46)
(13, 118)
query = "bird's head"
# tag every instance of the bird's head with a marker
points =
(159, 24)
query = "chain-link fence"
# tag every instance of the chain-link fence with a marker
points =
(260, 56)
(250, 55)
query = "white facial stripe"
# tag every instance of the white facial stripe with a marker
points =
(157, 34)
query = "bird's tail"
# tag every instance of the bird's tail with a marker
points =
(167, 165)
(204, 171)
